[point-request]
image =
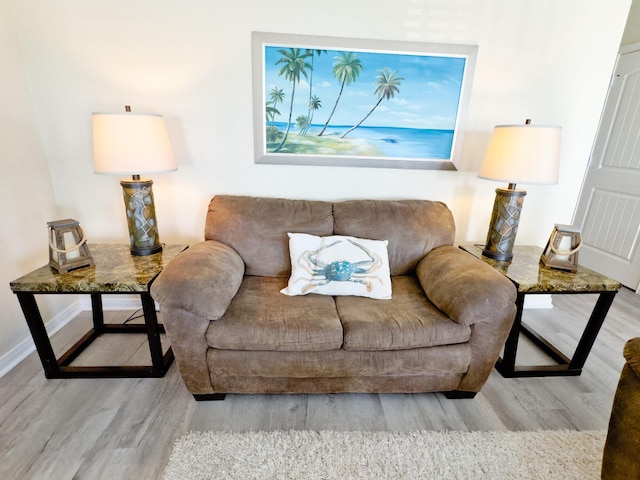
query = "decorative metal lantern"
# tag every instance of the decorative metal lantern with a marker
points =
(562, 248)
(61, 257)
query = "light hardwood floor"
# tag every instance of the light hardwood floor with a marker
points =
(125, 428)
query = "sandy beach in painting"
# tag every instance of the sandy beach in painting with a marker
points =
(328, 145)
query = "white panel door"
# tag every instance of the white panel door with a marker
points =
(608, 210)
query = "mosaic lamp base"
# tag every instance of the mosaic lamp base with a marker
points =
(504, 224)
(141, 216)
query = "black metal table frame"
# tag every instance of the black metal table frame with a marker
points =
(506, 364)
(62, 368)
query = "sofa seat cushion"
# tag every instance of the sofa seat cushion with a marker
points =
(340, 363)
(261, 318)
(408, 320)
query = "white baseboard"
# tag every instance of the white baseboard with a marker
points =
(538, 301)
(113, 302)
(109, 302)
(21, 351)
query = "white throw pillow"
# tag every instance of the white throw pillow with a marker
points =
(338, 265)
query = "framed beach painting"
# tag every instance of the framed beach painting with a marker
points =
(359, 103)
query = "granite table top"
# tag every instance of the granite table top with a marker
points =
(115, 271)
(530, 276)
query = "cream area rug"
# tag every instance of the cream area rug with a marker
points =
(544, 455)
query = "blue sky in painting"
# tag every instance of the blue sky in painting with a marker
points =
(428, 96)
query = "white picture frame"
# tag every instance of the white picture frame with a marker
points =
(412, 96)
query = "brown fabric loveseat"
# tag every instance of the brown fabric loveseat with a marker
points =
(232, 331)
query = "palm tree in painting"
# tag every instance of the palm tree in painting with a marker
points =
(302, 122)
(276, 96)
(314, 104)
(272, 133)
(346, 68)
(294, 64)
(271, 112)
(387, 83)
(313, 57)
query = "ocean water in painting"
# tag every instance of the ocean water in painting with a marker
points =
(411, 143)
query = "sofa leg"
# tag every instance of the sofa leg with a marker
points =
(199, 397)
(459, 394)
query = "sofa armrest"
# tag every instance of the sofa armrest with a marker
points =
(620, 455)
(632, 354)
(464, 287)
(201, 280)
(472, 293)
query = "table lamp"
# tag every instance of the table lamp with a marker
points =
(134, 144)
(516, 154)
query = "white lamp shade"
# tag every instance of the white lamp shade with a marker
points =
(523, 154)
(131, 144)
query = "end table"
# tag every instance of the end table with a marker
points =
(530, 277)
(116, 271)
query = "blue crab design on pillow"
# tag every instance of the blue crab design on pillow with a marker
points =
(338, 265)
(343, 270)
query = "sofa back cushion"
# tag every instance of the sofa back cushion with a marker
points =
(412, 227)
(257, 228)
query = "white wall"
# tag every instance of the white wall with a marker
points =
(190, 60)
(632, 29)
(26, 191)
